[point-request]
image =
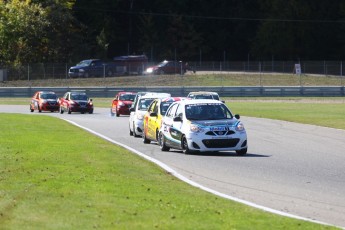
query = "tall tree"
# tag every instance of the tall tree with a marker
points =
(22, 32)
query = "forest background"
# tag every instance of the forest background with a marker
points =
(65, 31)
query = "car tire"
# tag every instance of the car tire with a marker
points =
(39, 109)
(161, 141)
(184, 146)
(61, 110)
(91, 111)
(69, 110)
(145, 140)
(117, 113)
(130, 132)
(31, 110)
(134, 133)
(241, 152)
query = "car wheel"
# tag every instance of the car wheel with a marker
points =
(86, 75)
(134, 133)
(31, 110)
(184, 144)
(130, 132)
(241, 152)
(69, 110)
(39, 109)
(161, 72)
(61, 110)
(82, 112)
(145, 140)
(91, 111)
(161, 141)
(117, 113)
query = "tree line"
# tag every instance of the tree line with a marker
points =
(36, 31)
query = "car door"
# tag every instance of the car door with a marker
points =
(35, 100)
(177, 125)
(150, 122)
(171, 129)
(114, 105)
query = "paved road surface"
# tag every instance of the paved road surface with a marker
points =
(294, 168)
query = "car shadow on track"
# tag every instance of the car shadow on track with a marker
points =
(222, 154)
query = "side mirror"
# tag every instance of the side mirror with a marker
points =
(131, 109)
(237, 116)
(153, 114)
(90, 99)
(178, 119)
(223, 102)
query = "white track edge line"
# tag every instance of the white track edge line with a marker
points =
(190, 182)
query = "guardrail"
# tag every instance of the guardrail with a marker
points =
(240, 91)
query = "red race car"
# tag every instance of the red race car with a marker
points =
(76, 102)
(122, 103)
(44, 101)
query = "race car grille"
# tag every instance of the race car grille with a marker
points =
(52, 103)
(219, 133)
(220, 143)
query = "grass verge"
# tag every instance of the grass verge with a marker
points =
(70, 179)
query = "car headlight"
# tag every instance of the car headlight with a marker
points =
(149, 70)
(240, 126)
(81, 70)
(195, 128)
(120, 104)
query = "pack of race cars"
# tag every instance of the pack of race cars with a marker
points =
(198, 123)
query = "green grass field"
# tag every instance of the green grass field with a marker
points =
(70, 179)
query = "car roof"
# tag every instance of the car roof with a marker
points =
(155, 95)
(171, 99)
(126, 92)
(46, 92)
(203, 92)
(80, 93)
(201, 101)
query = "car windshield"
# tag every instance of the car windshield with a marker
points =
(144, 104)
(80, 97)
(164, 107)
(203, 97)
(84, 63)
(127, 97)
(163, 63)
(207, 111)
(48, 96)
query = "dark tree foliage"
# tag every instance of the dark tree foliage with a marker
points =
(190, 30)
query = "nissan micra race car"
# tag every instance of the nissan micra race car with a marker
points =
(202, 126)
(153, 117)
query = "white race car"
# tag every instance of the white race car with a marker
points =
(202, 126)
(138, 111)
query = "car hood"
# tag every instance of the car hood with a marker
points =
(127, 102)
(81, 101)
(50, 100)
(206, 123)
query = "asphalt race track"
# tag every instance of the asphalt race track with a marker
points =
(293, 168)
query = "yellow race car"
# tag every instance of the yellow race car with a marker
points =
(153, 117)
